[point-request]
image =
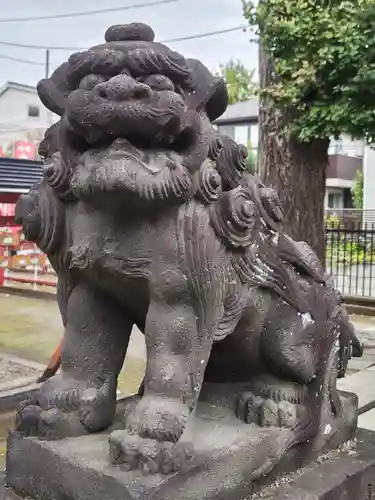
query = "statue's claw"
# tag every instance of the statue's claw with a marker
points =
(66, 408)
(266, 412)
(149, 455)
(158, 418)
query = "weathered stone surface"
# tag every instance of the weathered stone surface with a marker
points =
(225, 457)
(363, 384)
(345, 474)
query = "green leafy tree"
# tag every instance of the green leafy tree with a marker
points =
(239, 80)
(317, 81)
(357, 190)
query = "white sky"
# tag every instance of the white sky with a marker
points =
(183, 18)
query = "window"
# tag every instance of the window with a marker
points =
(33, 111)
(241, 134)
(254, 135)
(335, 200)
(227, 130)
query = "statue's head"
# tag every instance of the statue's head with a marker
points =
(133, 88)
(134, 101)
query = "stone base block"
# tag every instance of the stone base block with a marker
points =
(79, 468)
(347, 473)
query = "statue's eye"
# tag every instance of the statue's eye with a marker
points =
(159, 82)
(91, 81)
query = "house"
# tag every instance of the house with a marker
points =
(23, 120)
(240, 122)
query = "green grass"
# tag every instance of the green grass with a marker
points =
(30, 328)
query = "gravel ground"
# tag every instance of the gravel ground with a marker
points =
(10, 370)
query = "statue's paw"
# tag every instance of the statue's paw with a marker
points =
(28, 418)
(65, 407)
(97, 408)
(52, 424)
(55, 424)
(158, 418)
(95, 404)
(266, 412)
(151, 456)
(357, 348)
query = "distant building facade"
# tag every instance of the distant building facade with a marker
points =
(23, 121)
(240, 122)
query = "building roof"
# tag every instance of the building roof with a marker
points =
(17, 176)
(240, 112)
(17, 86)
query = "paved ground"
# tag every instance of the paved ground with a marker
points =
(356, 280)
(10, 370)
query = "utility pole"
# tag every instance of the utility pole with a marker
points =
(47, 62)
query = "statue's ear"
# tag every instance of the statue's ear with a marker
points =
(208, 92)
(50, 142)
(54, 91)
(218, 102)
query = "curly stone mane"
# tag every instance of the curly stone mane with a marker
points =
(266, 256)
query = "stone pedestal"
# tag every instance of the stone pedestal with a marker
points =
(345, 474)
(227, 453)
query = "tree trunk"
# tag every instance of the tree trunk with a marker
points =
(296, 170)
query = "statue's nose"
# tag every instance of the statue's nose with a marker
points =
(121, 88)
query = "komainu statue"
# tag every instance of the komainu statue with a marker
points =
(149, 218)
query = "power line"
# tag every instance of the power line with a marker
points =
(85, 13)
(17, 59)
(37, 47)
(205, 35)
(172, 40)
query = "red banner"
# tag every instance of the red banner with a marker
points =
(7, 209)
(25, 150)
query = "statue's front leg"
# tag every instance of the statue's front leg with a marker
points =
(176, 360)
(82, 398)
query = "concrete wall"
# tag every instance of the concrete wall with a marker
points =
(343, 167)
(368, 182)
(346, 145)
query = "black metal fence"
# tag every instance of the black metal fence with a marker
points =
(350, 256)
